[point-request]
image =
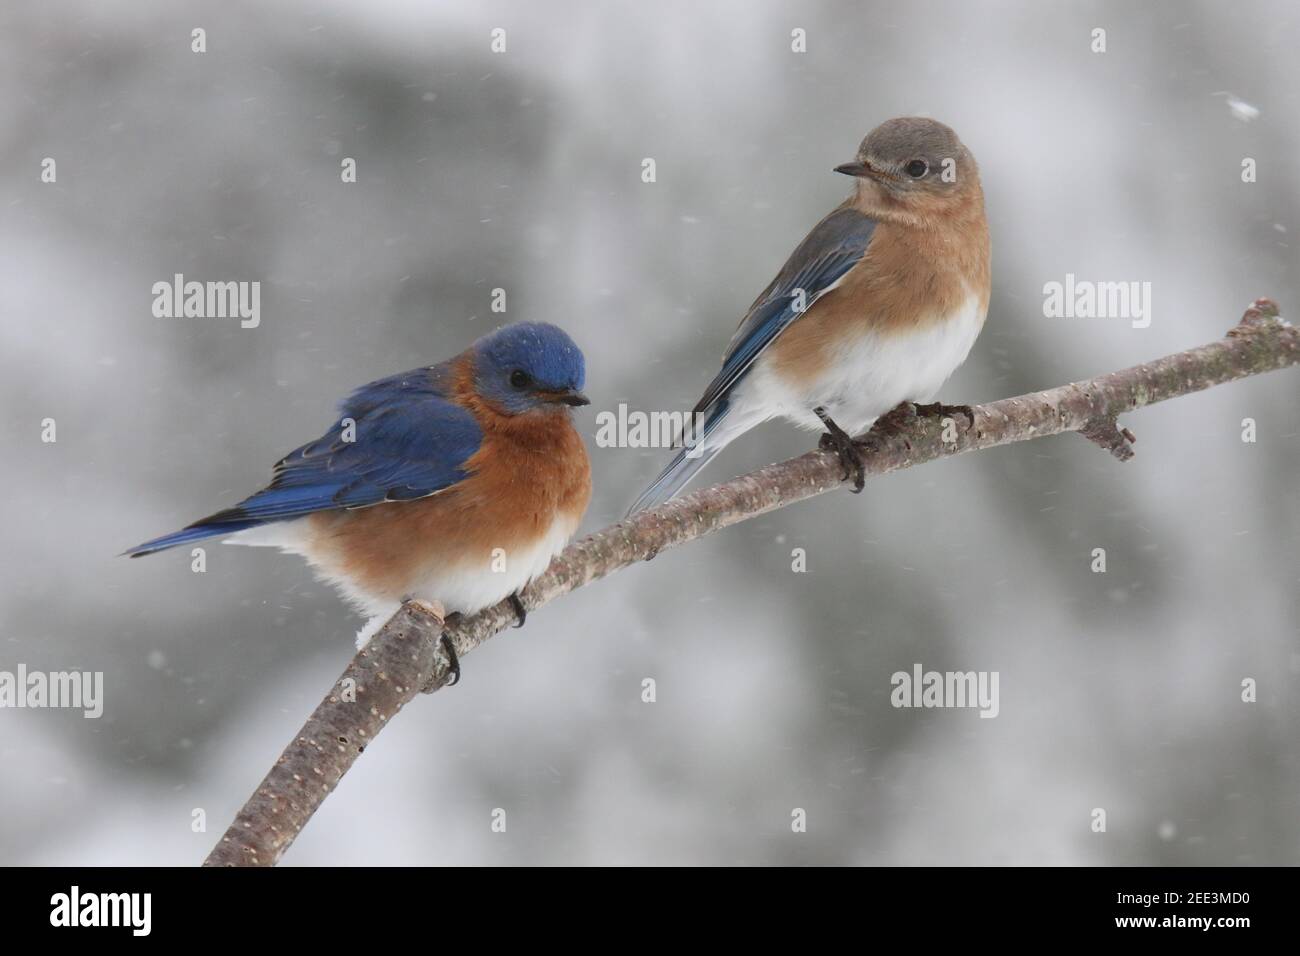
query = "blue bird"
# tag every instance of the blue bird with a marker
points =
(458, 482)
(874, 309)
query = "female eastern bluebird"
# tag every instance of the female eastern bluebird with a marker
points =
(456, 482)
(874, 309)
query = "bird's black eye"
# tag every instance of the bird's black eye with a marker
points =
(917, 168)
(520, 379)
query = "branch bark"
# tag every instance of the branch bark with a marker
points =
(406, 656)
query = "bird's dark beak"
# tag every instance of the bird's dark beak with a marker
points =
(571, 397)
(854, 168)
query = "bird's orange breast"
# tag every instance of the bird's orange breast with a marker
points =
(909, 280)
(530, 477)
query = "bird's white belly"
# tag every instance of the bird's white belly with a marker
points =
(465, 588)
(871, 375)
(469, 588)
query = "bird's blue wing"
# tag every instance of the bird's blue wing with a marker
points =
(396, 439)
(835, 245)
(400, 452)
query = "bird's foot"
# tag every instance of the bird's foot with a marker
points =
(940, 409)
(453, 661)
(521, 612)
(841, 442)
(448, 620)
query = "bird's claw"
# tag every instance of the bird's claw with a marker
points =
(521, 612)
(839, 441)
(850, 457)
(453, 661)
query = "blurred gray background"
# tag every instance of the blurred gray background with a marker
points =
(522, 170)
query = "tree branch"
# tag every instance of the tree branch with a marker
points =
(406, 655)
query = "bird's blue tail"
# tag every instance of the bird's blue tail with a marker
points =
(685, 465)
(207, 528)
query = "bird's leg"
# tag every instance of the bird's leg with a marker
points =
(841, 442)
(939, 408)
(521, 612)
(453, 659)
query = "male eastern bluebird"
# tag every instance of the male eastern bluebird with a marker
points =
(874, 309)
(456, 482)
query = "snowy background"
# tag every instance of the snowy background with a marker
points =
(522, 170)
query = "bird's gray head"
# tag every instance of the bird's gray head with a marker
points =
(913, 158)
(527, 366)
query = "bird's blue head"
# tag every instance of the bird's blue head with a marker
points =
(527, 366)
